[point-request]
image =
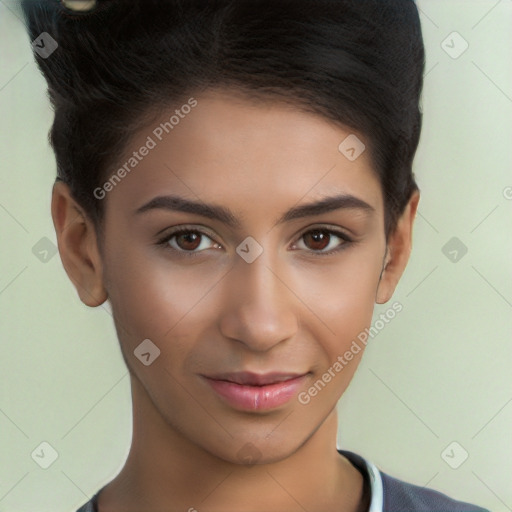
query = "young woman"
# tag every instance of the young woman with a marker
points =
(235, 178)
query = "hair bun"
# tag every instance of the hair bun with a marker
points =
(79, 5)
(79, 9)
(82, 53)
(121, 62)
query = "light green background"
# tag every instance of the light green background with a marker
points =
(438, 373)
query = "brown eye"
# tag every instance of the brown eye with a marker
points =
(318, 240)
(188, 241)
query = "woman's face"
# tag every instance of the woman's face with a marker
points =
(261, 289)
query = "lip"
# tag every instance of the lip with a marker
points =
(252, 391)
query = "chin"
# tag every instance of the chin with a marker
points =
(256, 452)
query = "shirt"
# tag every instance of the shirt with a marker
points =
(388, 494)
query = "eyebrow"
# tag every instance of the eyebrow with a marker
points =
(226, 216)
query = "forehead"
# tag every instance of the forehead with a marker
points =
(229, 148)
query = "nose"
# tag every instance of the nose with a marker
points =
(259, 309)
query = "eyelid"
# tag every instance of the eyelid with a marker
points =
(176, 230)
(325, 227)
(182, 227)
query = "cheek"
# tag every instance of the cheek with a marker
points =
(159, 300)
(341, 295)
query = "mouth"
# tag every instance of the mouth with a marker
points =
(252, 391)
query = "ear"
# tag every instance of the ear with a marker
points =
(78, 248)
(398, 250)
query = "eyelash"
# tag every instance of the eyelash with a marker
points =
(164, 241)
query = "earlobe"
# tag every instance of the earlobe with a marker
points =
(398, 250)
(78, 248)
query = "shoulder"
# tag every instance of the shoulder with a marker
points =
(389, 494)
(399, 496)
(90, 506)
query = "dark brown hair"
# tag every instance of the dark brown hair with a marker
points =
(359, 63)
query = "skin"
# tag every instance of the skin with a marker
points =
(292, 309)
